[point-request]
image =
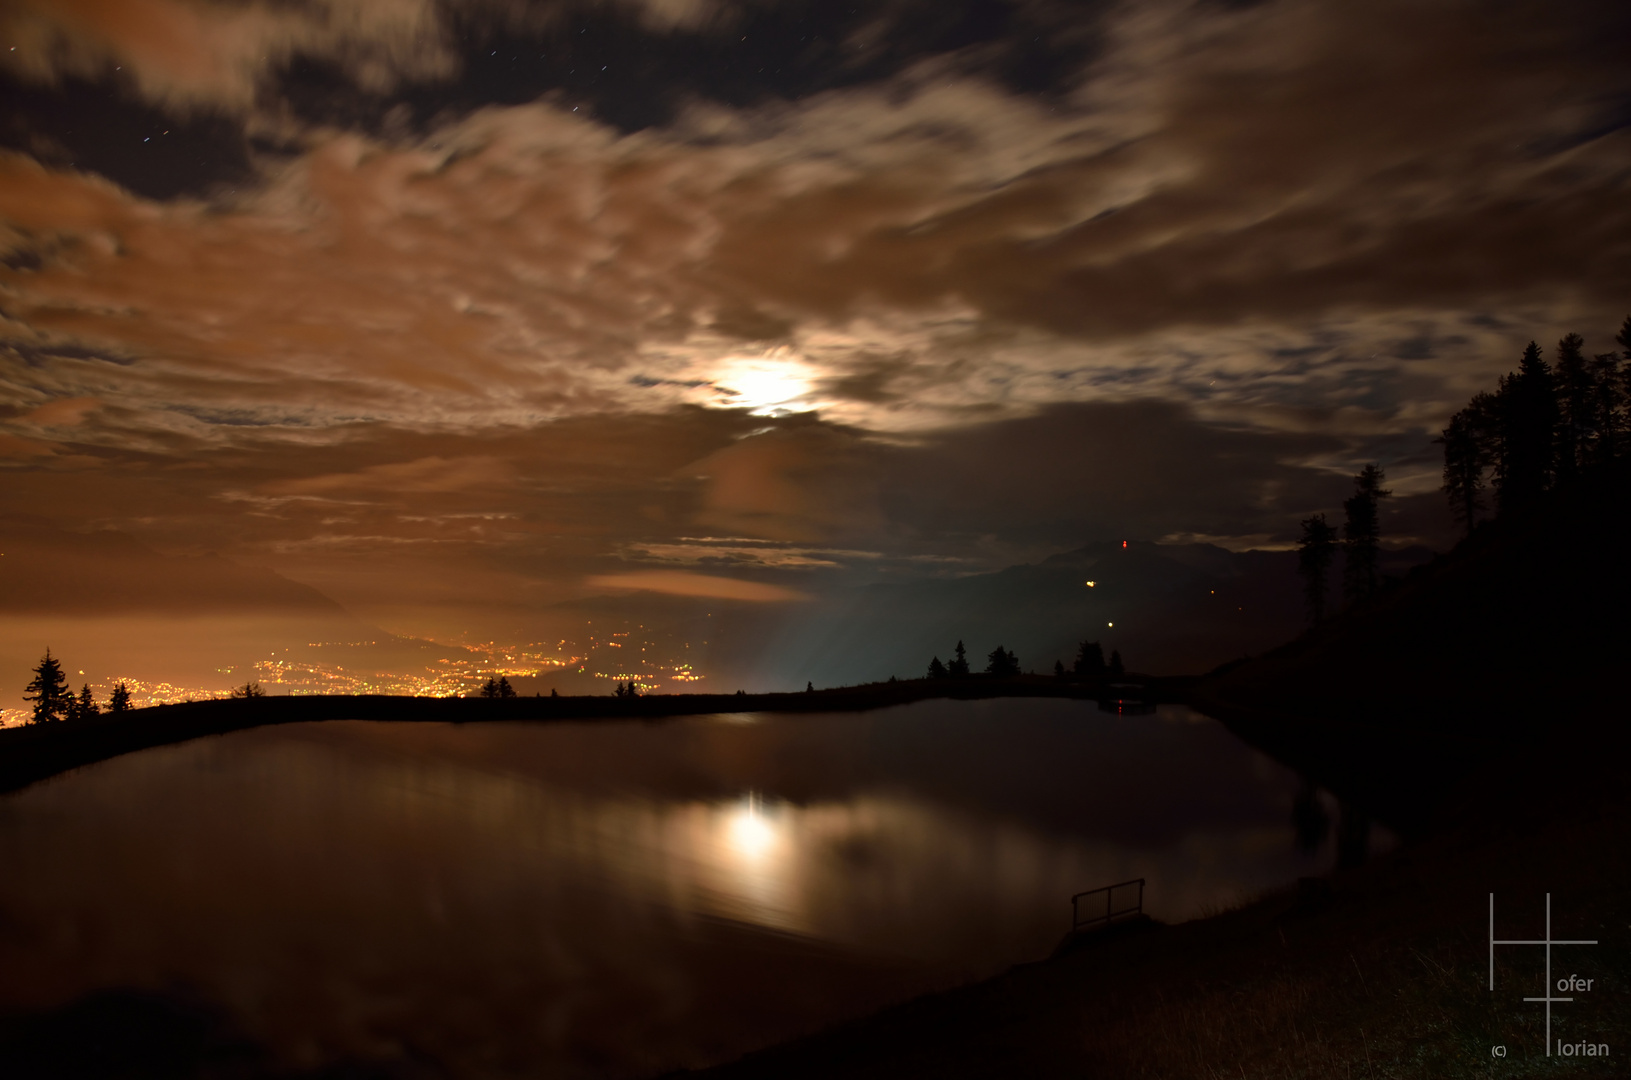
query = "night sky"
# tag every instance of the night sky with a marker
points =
(456, 311)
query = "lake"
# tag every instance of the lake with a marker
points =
(614, 898)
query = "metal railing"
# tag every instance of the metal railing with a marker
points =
(1111, 912)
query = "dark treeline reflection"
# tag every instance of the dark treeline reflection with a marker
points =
(615, 899)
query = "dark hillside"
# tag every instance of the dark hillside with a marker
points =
(1515, 641)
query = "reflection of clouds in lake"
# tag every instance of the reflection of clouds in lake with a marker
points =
(556, 893)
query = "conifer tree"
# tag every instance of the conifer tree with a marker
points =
(1572, 380)
(86, 706)
(1316, 550)
(1059, 669)
(1089, 660)
(1607, 408)
(1117, 670)
(1361, 533)
(1623, 339)
(1001, 663)
(1526, 407)
(937, 670)
(119, 700)
(505, 690)
(959, 663)
(48, 691)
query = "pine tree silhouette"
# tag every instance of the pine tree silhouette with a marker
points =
(1526, 406)
(119, 700)
(85, 707)
(1572, 380)
(1001, 663)
(48, 691)
(1469, 452)
(1315, 552)
(959, 663)
(1361, 533)
(1089, 660)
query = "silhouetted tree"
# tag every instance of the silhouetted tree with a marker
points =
(1623, 339)
(248, 690)
(48, 691)
(809, 687)
(119, 700)
(1622, 388)
(505, 690)
(1572, 381)
(1608, 401)
(1089, 660)
(1002, 663)
(1059, 669)
(84, 707)
(959, 663)
(1526, 407)
(1470, 447)
(1361, 533)
(1116, 668)
(490, 689)
(937, 670)
(1316, 549)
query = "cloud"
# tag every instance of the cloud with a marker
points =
(426, 475)
(1187, 287)
(680, 583)
(1230, 211)
(214, 56)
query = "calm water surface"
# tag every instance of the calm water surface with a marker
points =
(614, 899)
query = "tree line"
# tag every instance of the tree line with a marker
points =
(52, 700)
(1543, 425)
(1001, 663)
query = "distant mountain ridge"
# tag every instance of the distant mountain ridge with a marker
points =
(1170, 609)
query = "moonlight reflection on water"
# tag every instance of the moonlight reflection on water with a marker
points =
(614, 898)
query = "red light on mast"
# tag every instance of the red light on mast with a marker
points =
(1124, 543)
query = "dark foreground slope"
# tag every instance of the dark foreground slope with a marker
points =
(1381, 971)
(1514, 643)
(1523, 629)
(1477, 708)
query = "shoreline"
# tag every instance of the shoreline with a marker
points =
(1371, 971)
(1374, 971)
(34, 752)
